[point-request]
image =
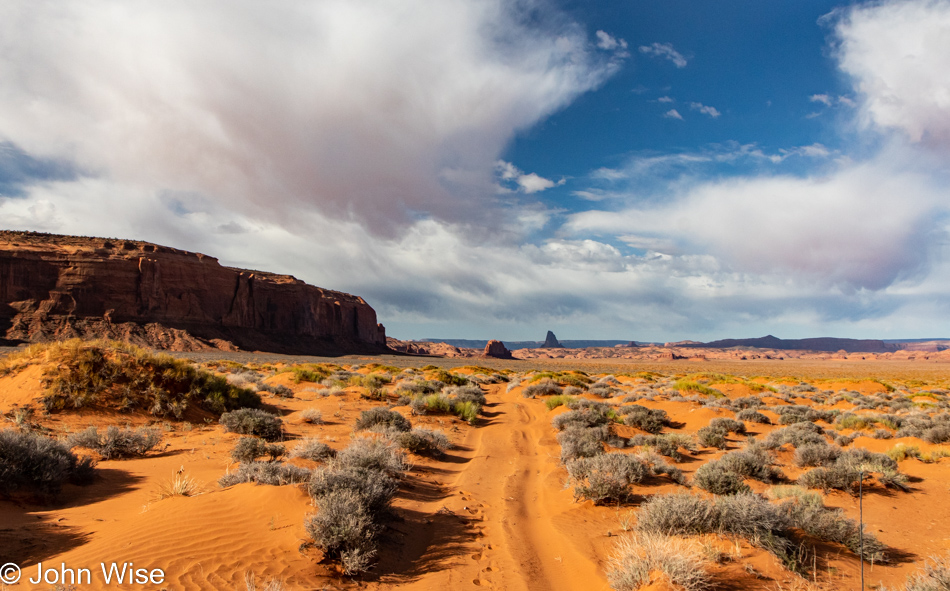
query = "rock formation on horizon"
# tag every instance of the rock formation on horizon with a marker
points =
(497, 350)
(56, 287)
(829, 344)
(551, 342)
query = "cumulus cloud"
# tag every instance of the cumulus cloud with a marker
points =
(673, 114)
(898, 54)
(664, 51)
(371, 110)
(516, 179)
(705, 109)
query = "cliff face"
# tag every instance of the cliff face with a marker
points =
(54, 287)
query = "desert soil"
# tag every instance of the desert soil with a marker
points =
(493, 512)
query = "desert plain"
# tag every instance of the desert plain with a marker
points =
(486, 500)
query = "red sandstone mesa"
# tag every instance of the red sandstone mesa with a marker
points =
(54, 287)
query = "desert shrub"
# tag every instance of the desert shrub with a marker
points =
(752, 416)
(450, 379)
(313, 449)
(582, 442)
(604, 391)
(606, 476)
(799, 494)
(434, 403)
(33, 463)
(816, 454)
(935, 576)
(728, 425)
(544, 387)
(312, 416)
(352, 493)
(798, 434)
(844, 440)
(372, 454)
(831, 525)
(276, 389)
(714, 477)
(249, 449)
(712, 437)
(270, 473)
(938, 434)
(113, 374)
(422, 441)
(252, 421)
(902, 451)
(635, 559)
(115, 442)
(835, 477)
(754, 461)
(650, 420)
(691, 386)
(467, 411)
(678, 514)
(585, 417)
(469, 393)
(382, 417)
(345, 529)
(667, 444)
(556, 401)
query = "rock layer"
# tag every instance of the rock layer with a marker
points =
(54, 287)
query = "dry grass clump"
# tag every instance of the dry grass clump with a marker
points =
(33, 463)
(844, 472)
(678, 560)
(115, 442)
(250, 584)
(582, 442)
(752, 416)
(715, 433)
(178, 486)
(587, 416)
(352, 494)
(312, 416)
(118, 375)
(253, 421)
(797, 435)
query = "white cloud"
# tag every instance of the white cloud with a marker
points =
(525, 183)
(705, 109)
(664, 99)
(898, 54)
(665, 51)
(608, 42)
(673, 114)
(821, 98)
(360, 110)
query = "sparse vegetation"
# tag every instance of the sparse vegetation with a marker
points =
(249, 449)
(271, 473)
(115, 442)
(35, 464)
(80, 374)
(636, 558)
(312, 449)
(253, 421)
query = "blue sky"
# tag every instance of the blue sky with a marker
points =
(489, 169)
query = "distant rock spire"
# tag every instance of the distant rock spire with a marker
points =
(550, 342)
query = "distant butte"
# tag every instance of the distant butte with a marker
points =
(55, 287)
(551, 342)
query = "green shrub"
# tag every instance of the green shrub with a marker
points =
(36, 464)
(556, 401)
(118, 375)
(115, 442)
(467, 411)
(253, 421)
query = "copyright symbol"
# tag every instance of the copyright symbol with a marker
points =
(9, 574)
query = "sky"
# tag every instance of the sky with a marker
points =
(622, 169)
